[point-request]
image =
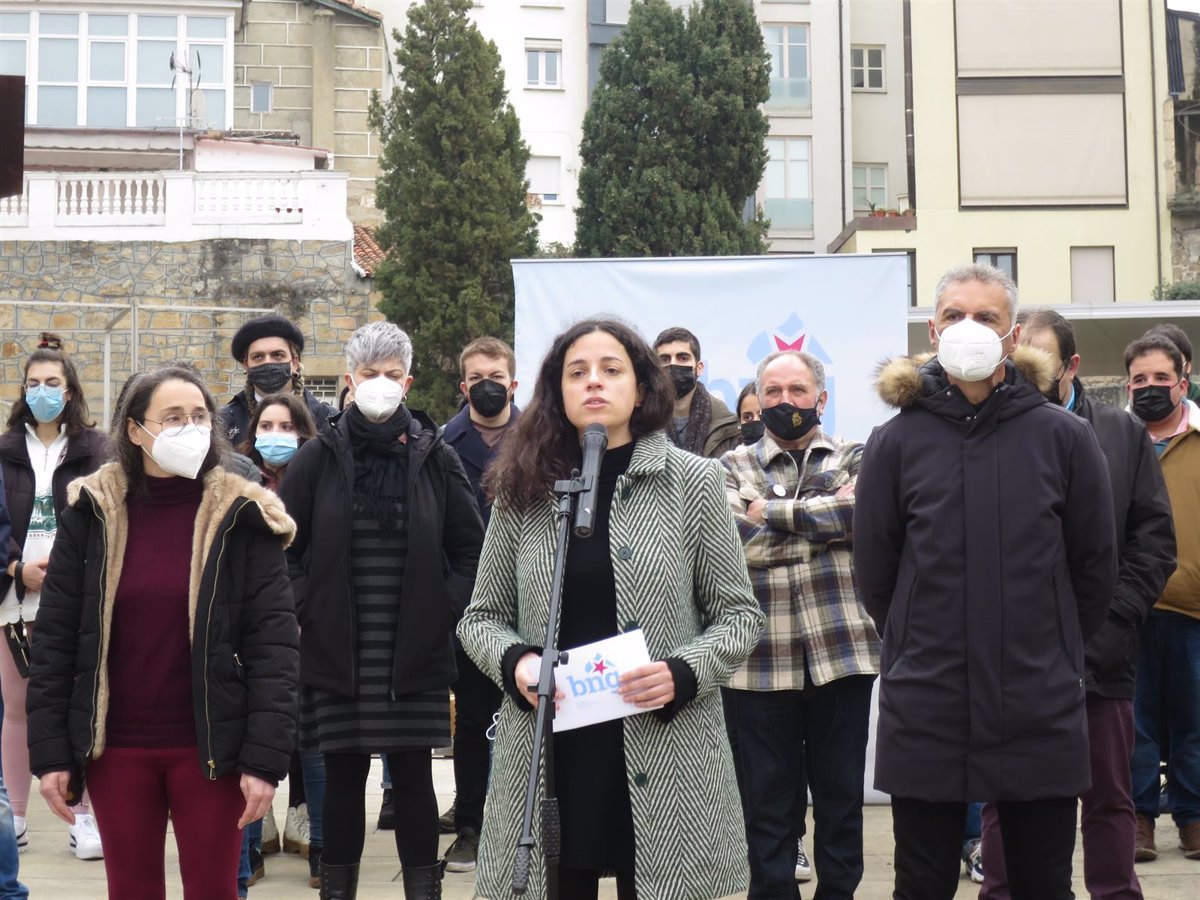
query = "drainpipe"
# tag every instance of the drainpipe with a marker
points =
(910, 149)
(842, 103)
(1158, 244)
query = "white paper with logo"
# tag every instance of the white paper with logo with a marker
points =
(591, 678)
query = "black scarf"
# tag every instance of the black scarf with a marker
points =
(699, 423)
(380, 464)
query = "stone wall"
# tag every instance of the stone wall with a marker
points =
(310, 282)
(1185, 246)
(322, 66)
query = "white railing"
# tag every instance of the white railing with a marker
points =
(250, 198)
(136, 199)
(177, 206)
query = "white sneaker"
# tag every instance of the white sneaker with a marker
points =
(803, 866)
(84, 840)
(21, 827)
(295, 830)
(270, 834)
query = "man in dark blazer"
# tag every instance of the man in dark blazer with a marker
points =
(985, 553)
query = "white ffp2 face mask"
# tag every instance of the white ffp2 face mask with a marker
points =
(377, 398)
(970, 351)
(181, 454)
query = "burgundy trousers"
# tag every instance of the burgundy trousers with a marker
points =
(1107, 821)
(132, 791)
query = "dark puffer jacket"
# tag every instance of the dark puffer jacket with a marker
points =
(245, 660)
(86, 452)
(984, 550)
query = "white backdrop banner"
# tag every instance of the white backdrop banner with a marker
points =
(848, 311)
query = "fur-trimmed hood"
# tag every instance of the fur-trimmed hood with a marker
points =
(901, 381)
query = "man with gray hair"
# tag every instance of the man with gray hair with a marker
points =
(806, 689)
(984, 548)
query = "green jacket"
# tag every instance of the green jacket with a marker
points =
(681, 577)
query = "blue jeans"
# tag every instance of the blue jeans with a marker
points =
(10, 888)
(313, 764)
(828, 725)
(1167, 716)
(251, 836)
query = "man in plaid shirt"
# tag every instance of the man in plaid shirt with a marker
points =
(806, 689)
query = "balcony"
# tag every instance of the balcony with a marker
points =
(177, 206)
(790, 95)
(790, 215)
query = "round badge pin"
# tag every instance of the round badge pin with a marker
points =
(778, 491)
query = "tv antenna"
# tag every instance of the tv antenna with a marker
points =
(196, 103)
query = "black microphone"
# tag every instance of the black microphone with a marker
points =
(595, 442)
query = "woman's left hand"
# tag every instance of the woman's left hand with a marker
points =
(258, 794)
(648, 686)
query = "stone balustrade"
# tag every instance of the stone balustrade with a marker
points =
(177, 206)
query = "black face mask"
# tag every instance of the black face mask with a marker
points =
(1153, 403)
(684, 378)
(790, 423)
(1052, 392)
(488, 397)
(752, 431)
(270, 377)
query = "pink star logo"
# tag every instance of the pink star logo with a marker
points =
(797, 344)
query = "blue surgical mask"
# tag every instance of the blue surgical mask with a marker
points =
(276, 449)
(45, 402)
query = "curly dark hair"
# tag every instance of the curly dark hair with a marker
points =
(544, 445)
(137, 400)
(302, 421)
(75, 414)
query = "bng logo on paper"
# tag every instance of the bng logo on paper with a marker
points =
(602, 676)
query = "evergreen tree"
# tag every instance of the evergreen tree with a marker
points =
(674, 141)
(453, 192)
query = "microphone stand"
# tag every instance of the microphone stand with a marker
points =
(568, 492)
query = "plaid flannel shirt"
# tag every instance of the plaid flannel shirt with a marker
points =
(800, 563)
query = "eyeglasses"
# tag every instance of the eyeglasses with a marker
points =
(176, 422)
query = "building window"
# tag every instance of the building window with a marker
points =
(107, 70)
(326, 388)
(870, 187)
(1004, 260)
(866, 68)
(260, 97)
(545, 177)
(1092, 275)
(543, 64)
(790, 85)
(789, 185)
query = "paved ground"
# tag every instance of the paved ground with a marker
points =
(51, 871)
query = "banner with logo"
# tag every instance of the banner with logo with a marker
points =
(848, 311)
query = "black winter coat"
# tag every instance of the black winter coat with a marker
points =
(984, 551)
(245, 661)
(1145, 544)
(236, 415)
(85, 454)
(444, 538)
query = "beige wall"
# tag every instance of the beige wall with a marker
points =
(877, 118)
(947, 234)
(1004, 38)
(316, 59)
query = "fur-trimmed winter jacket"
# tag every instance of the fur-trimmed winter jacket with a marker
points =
(985, 552)
(244, 637)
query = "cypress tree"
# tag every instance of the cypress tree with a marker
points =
(674, 141)
(453, 192)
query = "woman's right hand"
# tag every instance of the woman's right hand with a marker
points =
(527, 673)
(54, 787)
(34, 573)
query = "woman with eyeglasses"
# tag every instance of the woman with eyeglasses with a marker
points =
(166, 666)
(49, 443)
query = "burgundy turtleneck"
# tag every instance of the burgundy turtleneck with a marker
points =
(149, 656)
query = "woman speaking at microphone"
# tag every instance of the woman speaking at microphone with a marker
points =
(651, 797)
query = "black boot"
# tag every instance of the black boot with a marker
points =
(339, 882)
(424, 882)
(387, 812)
(314, 865)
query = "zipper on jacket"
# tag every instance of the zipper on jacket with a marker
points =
(100, 651)
(212, 762)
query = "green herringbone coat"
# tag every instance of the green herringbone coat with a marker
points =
(681, 577)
